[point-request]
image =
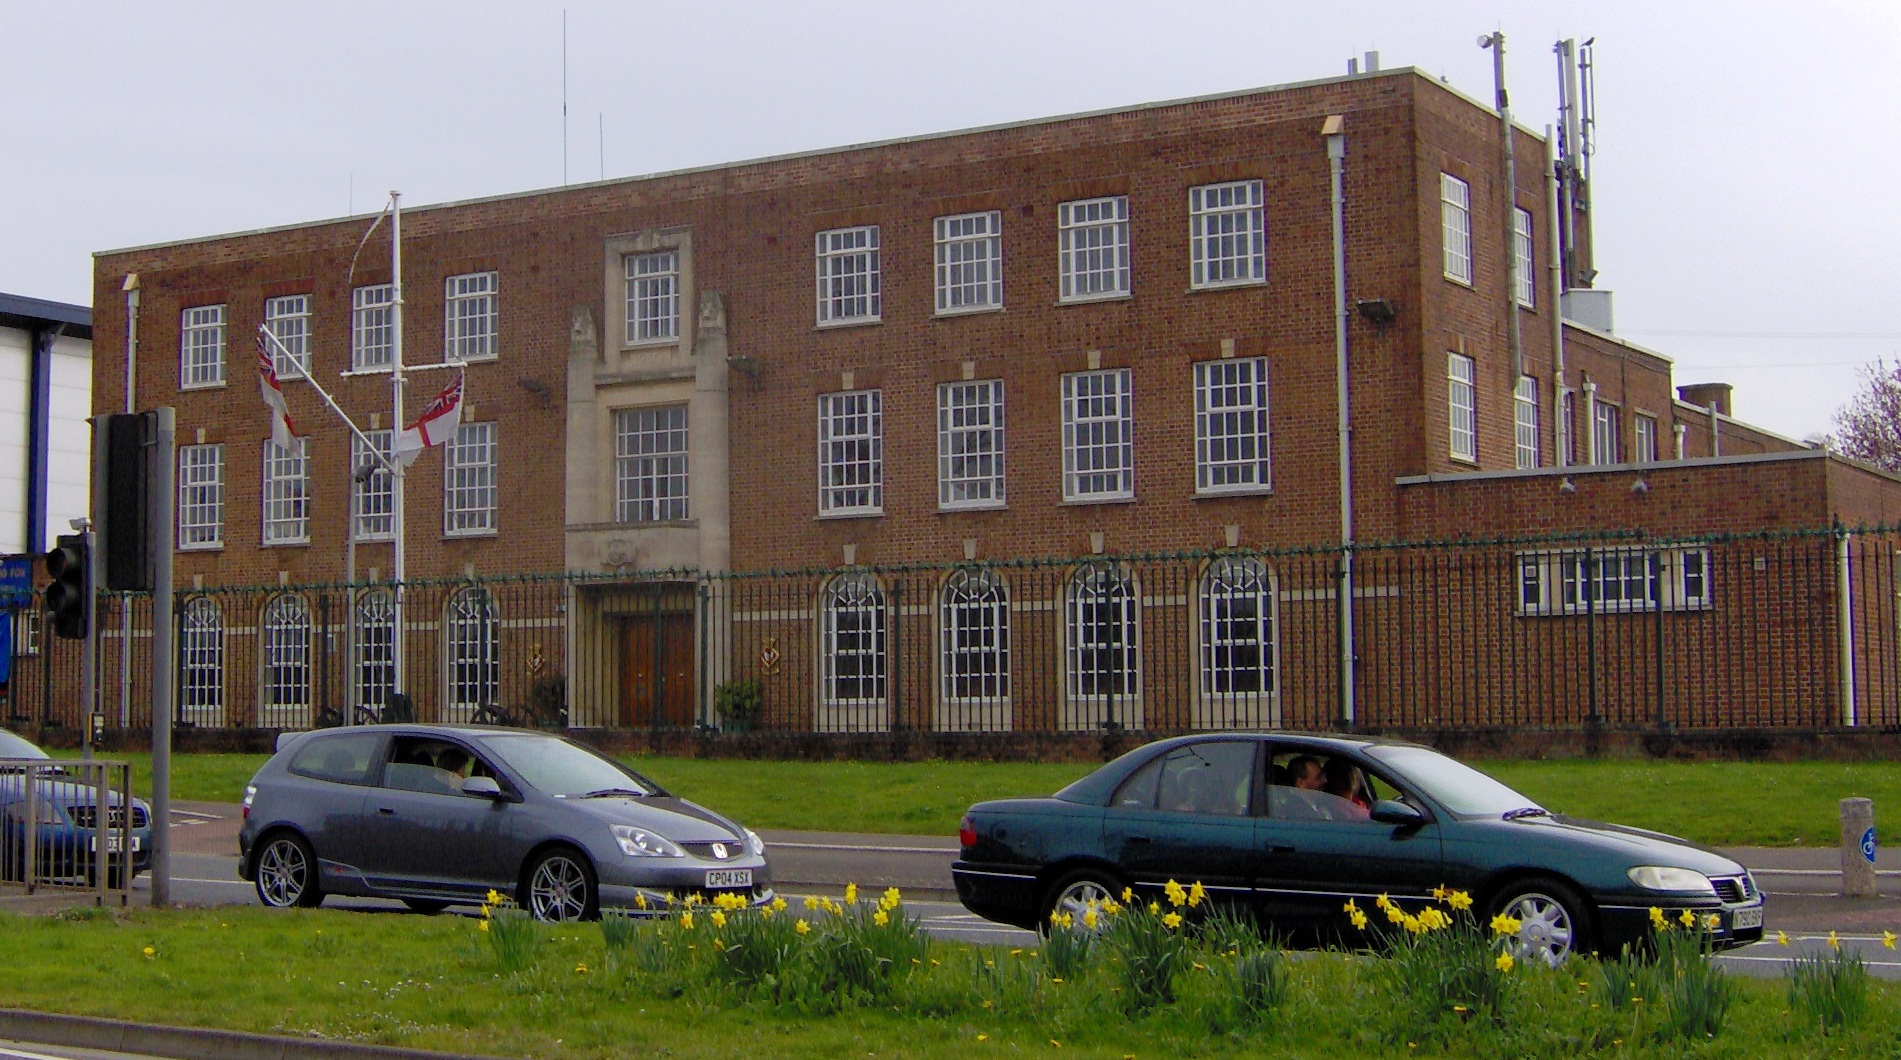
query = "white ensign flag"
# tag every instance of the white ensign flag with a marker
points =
(436, 425)
(282, 429)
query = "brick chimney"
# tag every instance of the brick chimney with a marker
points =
(1703, 395)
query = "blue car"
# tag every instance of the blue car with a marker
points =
(68, 833)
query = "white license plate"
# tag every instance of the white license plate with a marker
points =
(728, 878)
(1745, 918)
(113, 844)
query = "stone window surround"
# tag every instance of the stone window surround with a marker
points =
(614, 290)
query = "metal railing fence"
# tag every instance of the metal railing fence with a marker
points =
(53, 837)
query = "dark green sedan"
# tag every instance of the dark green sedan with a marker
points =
(1292, 826)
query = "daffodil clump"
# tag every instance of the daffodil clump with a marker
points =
(1830, 990)
(1146, 944)
(1443, 970)
(510, 931)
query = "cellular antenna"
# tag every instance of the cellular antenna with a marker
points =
(564, 97)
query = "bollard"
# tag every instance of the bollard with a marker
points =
(1858, 848)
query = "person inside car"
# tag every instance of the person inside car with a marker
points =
(1306, 773)
(1342, 780)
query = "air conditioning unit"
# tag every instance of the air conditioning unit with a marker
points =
(1589, 307)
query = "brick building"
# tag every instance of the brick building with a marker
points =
(1068, 340)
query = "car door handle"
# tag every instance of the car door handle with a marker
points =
(1138, 839)
(386, 811)
(1278, 849)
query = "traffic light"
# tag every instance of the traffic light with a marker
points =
(68, 565)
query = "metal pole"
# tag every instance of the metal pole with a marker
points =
(95, 576)
(1334, 129)
(1845, 620)
(164, 524)
(1496, 42)
(398, 614)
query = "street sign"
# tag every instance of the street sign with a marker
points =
(16, 582)
(1868, 843)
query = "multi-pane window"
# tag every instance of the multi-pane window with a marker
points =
(653, 296)
(970, 444)
(851, 453)
(1093, 248)
(853, 626)
(1227, 234)
(374, 666)
(1611, 580)
(286, 500)
(201, 663)
(1237, 628)
(1098, 436)
(849, 281)
(1102, 631)
(650, 465)
(288, 321)
(1567, 426)
(1455, 217)
(372, 327)
(1231, 425)
(200, 496)
(475, 652)
(969, 262)
(468, 481)
(1605, 420)
(470, 317)
(1525, 421)
(1646, 440)
(1462, 407)
(1521, 255)
(285, 642)
(976, 630)
(372, 488)
(201, 347)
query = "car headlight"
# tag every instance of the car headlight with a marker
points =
(1663, 878)
(640, 843)
(754, 843)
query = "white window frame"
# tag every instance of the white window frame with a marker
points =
(1462, 407)
(287, 318)
(974, 620)
(471, 317)
(201, 663)
(1227, 235)
(470, 482)
(1232, 454)
(373, 648)
(650, 464)
(854, 655)
(653, 297)
(1229, 588)
(969, 251)
(1098, 436)
(851, 453)
(1455, 228)
(1614, 580)
(1607, 432)
(970, 444)
(1645, 440)
(200, 497)
(1116, 629)
(472, 653)
(1092, 248)
(285, 502)
(201, 347)
(850, 281)
(285, 632)
(1525, 422)
(372, 488)
(1523, 256)
(373, 328)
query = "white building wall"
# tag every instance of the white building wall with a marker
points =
(16, 357)
(69, 438)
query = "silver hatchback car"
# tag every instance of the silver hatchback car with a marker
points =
(440, 815)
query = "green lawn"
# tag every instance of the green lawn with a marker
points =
(433, 983)
(1719, 803)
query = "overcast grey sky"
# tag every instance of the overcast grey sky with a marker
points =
(1747, 220)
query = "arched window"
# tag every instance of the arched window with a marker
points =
(201, 663)
(475, 653)
(975, 624)
(853, 662)
(286, 647)
(1103, 634)
(374, 667)
(1237, 628)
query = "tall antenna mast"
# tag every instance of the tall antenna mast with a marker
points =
(564, 97)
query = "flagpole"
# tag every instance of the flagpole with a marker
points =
(400, 628)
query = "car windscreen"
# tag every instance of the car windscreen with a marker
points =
(12, 746)
(565, 770)
(1454, 785)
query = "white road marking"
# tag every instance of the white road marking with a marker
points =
(862, 849)
(1815, 872)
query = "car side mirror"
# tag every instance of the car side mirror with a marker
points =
(1391, 811)
(484, 787)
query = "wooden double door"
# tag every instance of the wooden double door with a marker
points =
(656, 662)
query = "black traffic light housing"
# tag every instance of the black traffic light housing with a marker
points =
(68, 565)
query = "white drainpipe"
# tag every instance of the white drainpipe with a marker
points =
(1334, 131)
(1560, 452)
(131, 289)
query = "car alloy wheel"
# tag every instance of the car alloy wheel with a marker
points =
(286, 873)
(1076, 894)
(561, 887)
(1547, 928)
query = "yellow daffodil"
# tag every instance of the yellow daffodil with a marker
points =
(1382, 902)
(881, 918)
(640, 901)
(1687, 918)
(1833, 942)
(811, 902)
(580, 969)
(695, 898)
(1155, 908)
(1712, 922)
(485, 911)
(1196, 894)
(686, 921)
(778, 905)
(495, 897)
(1506, 925)
(718, 918)
(150, 952)
(482, 924)
(851, 894)
(1656, 917)
(1782, 938)
(1176, 893)
(1128, 894)
(1504, 962)
(1395, 913)
(1439, 894)
(801, 927)
(1349, 908)
(891, 895)
(1172, 921)
(983, 1037)
(1458, 899)
(1887, 939)
(1358, 918)
(719, 945)
(1089, 918)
